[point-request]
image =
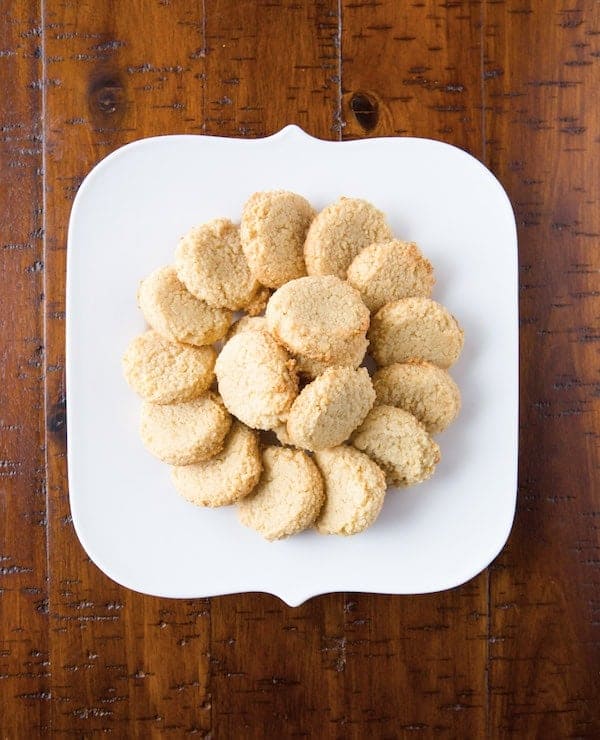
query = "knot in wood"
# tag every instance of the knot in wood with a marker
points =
(365, 109)
(106, 95)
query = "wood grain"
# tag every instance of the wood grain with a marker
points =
(545, 588)
(24, 657)
(513, 653)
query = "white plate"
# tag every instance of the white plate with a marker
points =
(126, 220)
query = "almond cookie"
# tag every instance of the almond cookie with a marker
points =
(248, 323)
(354, 490)
(288, 497)
(399, 444)
(185, 433)
(352, 355)
(174, 312)
(211, 264)
(423, 389)
(415, 329)
(389, 271)
(225, 478)
(162, 371)
(340, 232)
(317, 316)
(257, 380)
(273, 230)
(330, 408)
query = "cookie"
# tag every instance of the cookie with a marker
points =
(162, 371)
(399, 444)
(415, 329)
(211, 264)
(273, 230)
(339, 232)
(387, 271)
(317, 316)
(351, 356)
(354, 490)
(225, 478)
(423, 389)
(330, 408)
(288, 497)
(185, 433)
(174, 312)
(257, 380)
(258, 303)
(248, 323)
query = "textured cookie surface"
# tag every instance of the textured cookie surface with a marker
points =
(399, 444)
(225, 478)
(174, 312)
(257, 380)
(288, 497)
(273, 230)
(162, 371)
(330, 408)
(354, 490)
(415, 329)
(388, 271)
(423, 389)
(339, 232)
(211, 264)
(185, 433)
(248, 323)
(350, 356)
(317, 316)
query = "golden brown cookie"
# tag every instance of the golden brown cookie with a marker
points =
(423, 389)
(211, 264)
(257, 380)
(317, 317)
(162, 371)
(174, 312)
(330, 408)
(399, 444)
(339, 232)
(185, 433)
(354, 490)
(388, 271)
(228, 476)
(288, 497)
(273, 230)
(352, 355)
(248, 323)
(415, 329)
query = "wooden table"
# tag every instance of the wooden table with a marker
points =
(513, 653)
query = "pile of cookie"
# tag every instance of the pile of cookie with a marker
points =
(294, 431)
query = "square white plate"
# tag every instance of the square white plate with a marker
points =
(126, 220)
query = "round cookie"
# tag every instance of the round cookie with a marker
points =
(288, 497)
(273, 230)
(162, 371)
(352, 356)
(423, 389)
(225, 478)
(317, 316)
(185, 433)
(210, 263)
(330, 408)
(248, 323)
(339, 232)
(399, 444)
(174, 312)
(257, 380)
(415, 329)
(388, 271)
(354, 490)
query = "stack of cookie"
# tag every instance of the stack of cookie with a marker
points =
(295, 431)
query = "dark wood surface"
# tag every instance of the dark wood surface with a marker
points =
(513, 653)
